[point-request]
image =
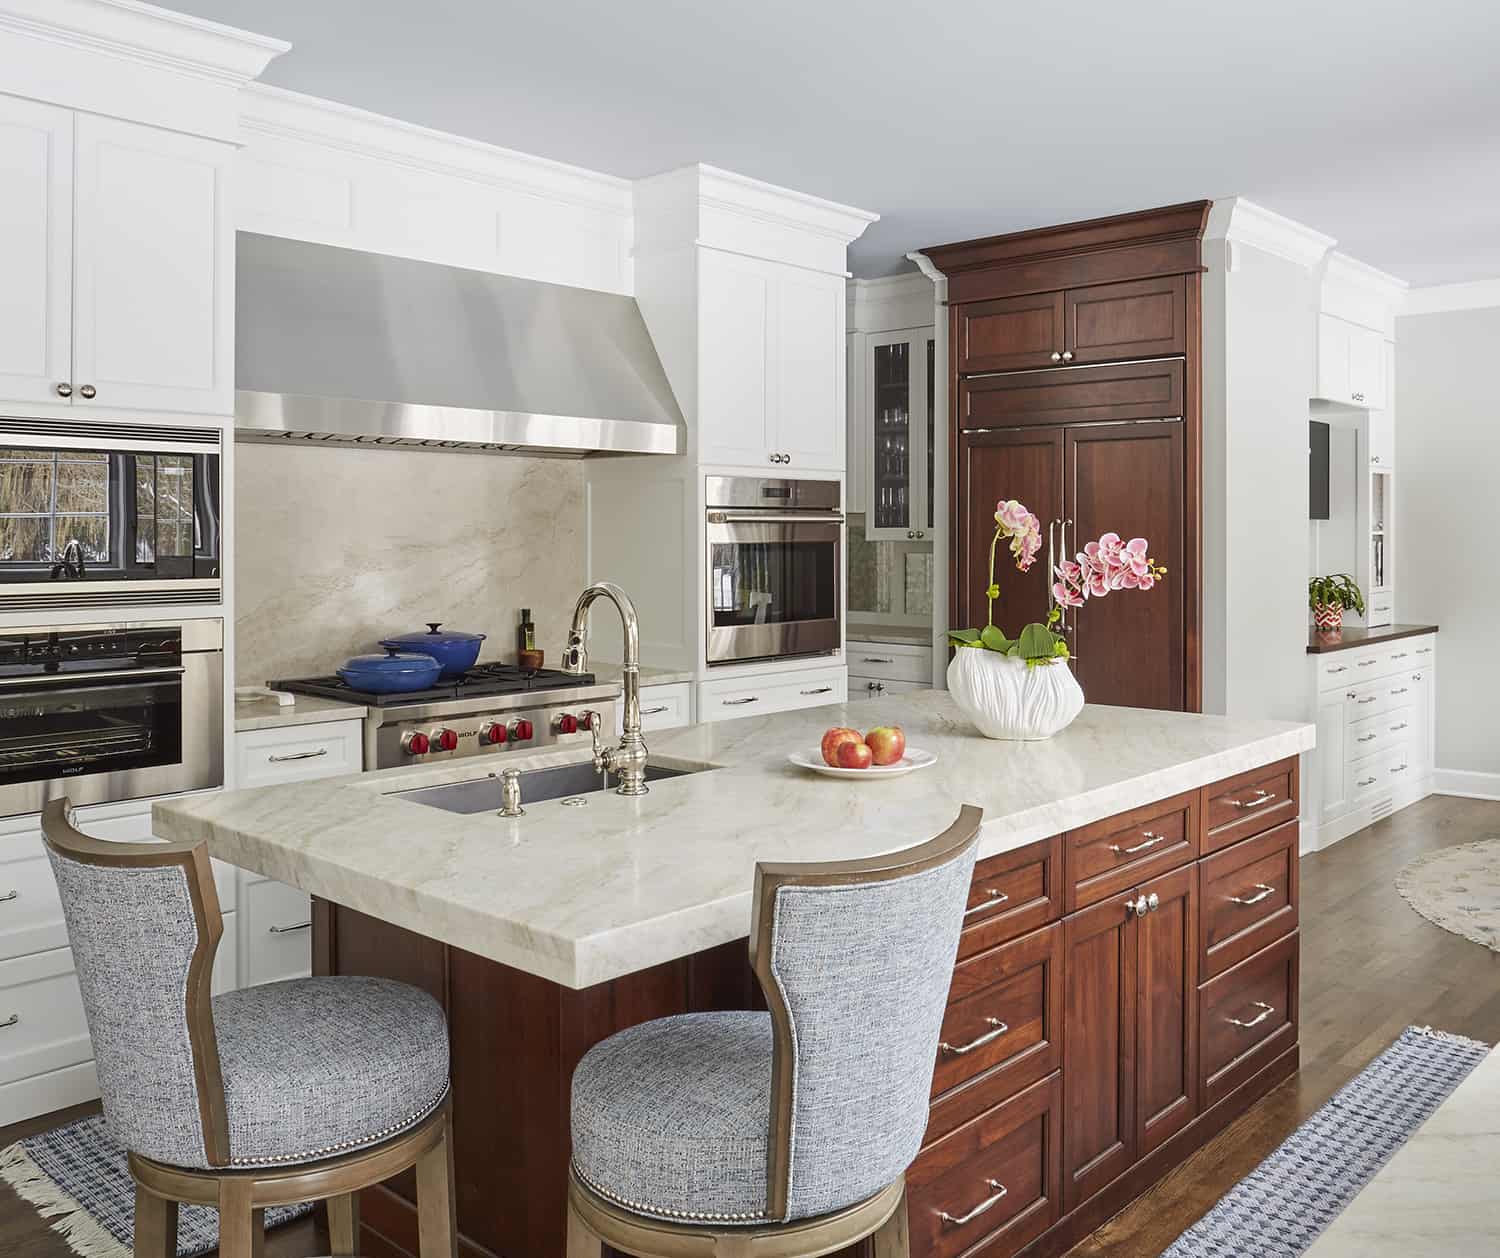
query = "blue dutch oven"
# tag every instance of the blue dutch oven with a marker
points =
(454, 650)
(395, 672)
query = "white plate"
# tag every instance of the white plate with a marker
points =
(909, 763)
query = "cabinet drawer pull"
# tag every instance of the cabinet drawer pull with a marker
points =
(298, 755)
(1338, 668)
(1424, 650)
(1399, 655)
(10, 1021)
(987, 1204)
(1265, 1012)
(1367, 782)
(1261, 892)
(656, 711)
(1399, 691)
(1261, 797)
(1398, 728)
(10, 895)
(819, 690)
(288, 930)
(735, 703)
(995, 898)
(1400, 768)
(1366, 738)
(1151, 841)
(1366, 663)
(877, 659)
(1367, 699)
(958, 1050)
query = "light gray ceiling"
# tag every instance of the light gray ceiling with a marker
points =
(1375, 121)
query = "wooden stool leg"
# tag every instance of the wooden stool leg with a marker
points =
(242, 1229)
(582, 1243)
(437, 1208)
(343, 1224)
(891, 1239)
(155, 1225)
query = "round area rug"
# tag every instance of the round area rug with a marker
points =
(1458, 889)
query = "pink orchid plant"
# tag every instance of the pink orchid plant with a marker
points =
(1099, 569)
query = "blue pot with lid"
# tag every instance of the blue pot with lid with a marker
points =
(454, 650)
(395, 672)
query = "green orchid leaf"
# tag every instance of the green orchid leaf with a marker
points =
(1037, 642)
(963, 637)
(993, 639)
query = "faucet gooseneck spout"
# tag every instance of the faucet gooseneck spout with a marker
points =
(628, 760)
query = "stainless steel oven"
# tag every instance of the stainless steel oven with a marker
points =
(775, 568)
(108, 712)
(99, 514)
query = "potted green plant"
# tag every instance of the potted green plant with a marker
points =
(1329, 596)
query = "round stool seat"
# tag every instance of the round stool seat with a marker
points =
(316, 1067)
(671, 1119)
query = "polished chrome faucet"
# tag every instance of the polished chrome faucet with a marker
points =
(628, 760)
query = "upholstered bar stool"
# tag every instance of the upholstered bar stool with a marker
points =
(784, 1134)
(306, 1090)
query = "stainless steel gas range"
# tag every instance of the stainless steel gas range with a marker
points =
(494, 710)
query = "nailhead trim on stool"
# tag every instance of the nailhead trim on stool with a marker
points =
(344, 1146)
(645, 1207)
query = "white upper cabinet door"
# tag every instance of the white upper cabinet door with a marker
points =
(1333, 359)
(1383, 422)
(734, 397)
(1366, 368)
(808, 369)
(36, 251)
(153, 289)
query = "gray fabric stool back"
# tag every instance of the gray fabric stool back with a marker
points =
(855, 960)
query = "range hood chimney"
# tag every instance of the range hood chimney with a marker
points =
(336, 345)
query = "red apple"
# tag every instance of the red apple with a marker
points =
(887, 744)
(855, 755)
(832, 739)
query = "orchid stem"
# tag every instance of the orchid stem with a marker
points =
(988, 597)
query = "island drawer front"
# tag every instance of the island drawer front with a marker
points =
(781, 692)
(890, 661)
(1249, 803)
(1012, 893)
(1247, 1017)
(1247, 898)
(278, 929)
(662, 707)
(1004, 1017)
(298, 753)
(997, 1178)
(1113, 855)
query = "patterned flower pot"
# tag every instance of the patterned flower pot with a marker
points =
(1328, 616)
(1007, 699)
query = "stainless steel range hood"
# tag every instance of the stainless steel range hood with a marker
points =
(335, 345)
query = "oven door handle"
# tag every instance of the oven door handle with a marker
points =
(775, 517)
(82, 679)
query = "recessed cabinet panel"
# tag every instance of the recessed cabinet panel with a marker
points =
(1010, 334)
(1069, 395)
(36, 250)
(1351, 364)
(153, 269)
(734, 419)
(1166, 1026)
(1141, 319)
(809, 370)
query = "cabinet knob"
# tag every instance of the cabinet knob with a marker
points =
(64, 389)
(910, 534)
(1056, 357)
(89, 391)
(921, 533)
(1374, 458)
(1067, 356)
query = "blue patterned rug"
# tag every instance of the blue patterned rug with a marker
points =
(76, 1175)
(1282, 1206)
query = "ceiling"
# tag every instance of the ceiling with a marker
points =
(1374, 121)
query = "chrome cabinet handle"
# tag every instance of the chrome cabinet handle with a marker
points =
(1153, 902)
(1140, 908)
(1367, 738)
(89, 391)
(10, 895)
(64, 389)
(1424, 650)
(1367, 782)
(1056, 356)
(1067, 355)
(1261, 797)
(109, 674)
(298, 755)
(876, 659)
(1394, 729)
(1366, 663)
(819, 690)
(735, 703)
(1265, 1012)
(1261, 892)
(288, 930)
(1400, 768)
(1151, 841)
(911, 535)
(1401, 691)
(994, 898)
(988, 1203)
(10, 1021)
(1342, 668)
(1367, 699)
(958, 1050)
(1399, 655)
(1416, 676)
(875, 687)
(656, 711)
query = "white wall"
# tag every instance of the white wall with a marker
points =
(1258, 346)
(1447, 453)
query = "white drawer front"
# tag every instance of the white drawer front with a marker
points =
(880, 661)
(784, 692)
(42, 1026)
(870, 688)
(1381, 774)
(1377, 733)
(298, 753)
(278, 933)
(1375, 698)
(662, 707)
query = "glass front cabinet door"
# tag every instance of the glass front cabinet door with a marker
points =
(899, 439)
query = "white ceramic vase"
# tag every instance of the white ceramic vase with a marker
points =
(1006, 699)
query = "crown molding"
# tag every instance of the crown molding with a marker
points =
(1441, 298)
(778, 206)
(1240, 221)
(890, 302)
(1343, 270)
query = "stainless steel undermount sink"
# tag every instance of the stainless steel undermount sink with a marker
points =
(537, 785)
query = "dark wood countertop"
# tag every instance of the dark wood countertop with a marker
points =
(1353, 636)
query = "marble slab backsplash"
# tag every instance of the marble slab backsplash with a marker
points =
(890, 578)
(337, 547)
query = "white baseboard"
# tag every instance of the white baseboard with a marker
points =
(1466, 783)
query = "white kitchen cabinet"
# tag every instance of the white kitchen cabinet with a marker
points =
(856, 430)
(899, 433)
(779, 692)
(1381, 429)
(298, 753)
(1351, 365)
(277, 923)
(662, 707)
(36, 249)
(770, 366)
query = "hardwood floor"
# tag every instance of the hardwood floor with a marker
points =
(1370, 967)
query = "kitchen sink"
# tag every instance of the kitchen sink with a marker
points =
(537, 785)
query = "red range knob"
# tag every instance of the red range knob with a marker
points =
(493, 733)
(521, 731)
(414, 744)
(446, 740)
(567, 724)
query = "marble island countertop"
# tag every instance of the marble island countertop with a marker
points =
(581, 895)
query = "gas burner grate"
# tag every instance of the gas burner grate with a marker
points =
(481, 681)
